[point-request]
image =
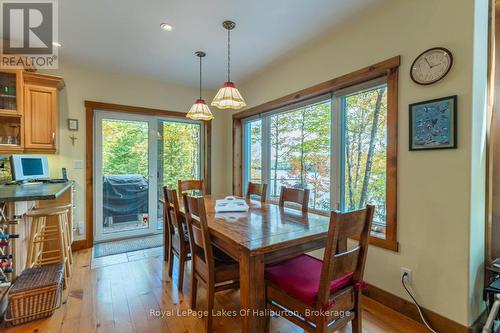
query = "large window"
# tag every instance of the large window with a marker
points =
(365, 146)
(335, 145)
(300, 152)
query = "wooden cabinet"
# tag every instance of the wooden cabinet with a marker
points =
(28, 112)
(40, 113)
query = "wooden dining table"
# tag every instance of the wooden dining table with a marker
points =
(264, 234)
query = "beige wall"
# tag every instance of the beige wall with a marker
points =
(90, 84)
(435, 204)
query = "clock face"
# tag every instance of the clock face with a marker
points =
(431, 66)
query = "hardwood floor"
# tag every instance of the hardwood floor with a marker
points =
(120, 294)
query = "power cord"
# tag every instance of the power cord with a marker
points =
(405, 275)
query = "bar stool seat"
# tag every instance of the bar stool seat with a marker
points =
(49, 242)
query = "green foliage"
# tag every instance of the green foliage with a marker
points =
(125, 150)
(125, 147)
(365, 150)
(181, 158)
(300, 144)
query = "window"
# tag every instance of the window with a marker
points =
(300, 152)
(334, 145)
(254, 151)
(365, 146)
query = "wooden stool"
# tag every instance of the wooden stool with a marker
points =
(49, 243)
(67, 224)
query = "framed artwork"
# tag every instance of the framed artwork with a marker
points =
(73, 124)
(433, 124)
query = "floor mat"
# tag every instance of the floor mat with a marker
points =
(127, 245)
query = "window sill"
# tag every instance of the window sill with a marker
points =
(391, 245)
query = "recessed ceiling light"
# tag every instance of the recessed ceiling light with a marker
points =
(56, 44)
(166, 27)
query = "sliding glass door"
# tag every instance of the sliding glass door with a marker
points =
(179, 155)
(135, 156)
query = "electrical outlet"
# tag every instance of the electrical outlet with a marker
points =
(406, 271)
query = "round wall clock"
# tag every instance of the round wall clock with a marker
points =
(431, 66)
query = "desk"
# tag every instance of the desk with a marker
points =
(264, 234)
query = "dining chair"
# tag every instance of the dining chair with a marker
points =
(178, 238)
(212, 267)
(295, 195)
(257, 189)
(326, 294)
(190, 185)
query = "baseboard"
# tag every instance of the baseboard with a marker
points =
(408, 309)
(79, 245)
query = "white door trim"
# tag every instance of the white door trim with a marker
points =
(99, 235)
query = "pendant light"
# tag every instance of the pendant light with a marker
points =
(228, 96)
(200, 110)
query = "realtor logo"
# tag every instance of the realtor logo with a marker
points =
(29, 29)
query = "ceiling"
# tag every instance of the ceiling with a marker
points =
(125, 35)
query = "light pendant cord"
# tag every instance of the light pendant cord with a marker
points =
(228, 55)
(416, 304)
(200, 78)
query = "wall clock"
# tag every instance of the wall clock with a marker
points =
(431, 66)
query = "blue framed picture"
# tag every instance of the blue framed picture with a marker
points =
(433, 124)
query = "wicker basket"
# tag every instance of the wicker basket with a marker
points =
(36, 294)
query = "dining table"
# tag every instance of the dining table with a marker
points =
(262, 235)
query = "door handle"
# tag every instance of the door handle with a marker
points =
(53, 137)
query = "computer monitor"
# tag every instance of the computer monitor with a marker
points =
(26, 167)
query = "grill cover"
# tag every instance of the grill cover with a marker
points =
(124, 195)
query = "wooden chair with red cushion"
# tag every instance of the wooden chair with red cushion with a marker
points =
(212, 267)
(190, 185)
(322, 291)
(177, 238)
(257, 189)
(297, 196)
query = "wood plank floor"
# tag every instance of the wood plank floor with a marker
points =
(120, 293)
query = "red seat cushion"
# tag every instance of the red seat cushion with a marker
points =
(300, 277)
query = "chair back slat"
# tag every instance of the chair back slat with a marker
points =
(191, 185)
(199, 234)
(345, 263)
(339, 261)
(351, 225)
(257, 189)
(295, 195)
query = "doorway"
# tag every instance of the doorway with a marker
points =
(135, 156)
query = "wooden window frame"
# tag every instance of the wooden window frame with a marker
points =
(388, 68)
(90, 108)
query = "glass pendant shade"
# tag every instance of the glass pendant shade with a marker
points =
(200, 111)
(228, 97)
